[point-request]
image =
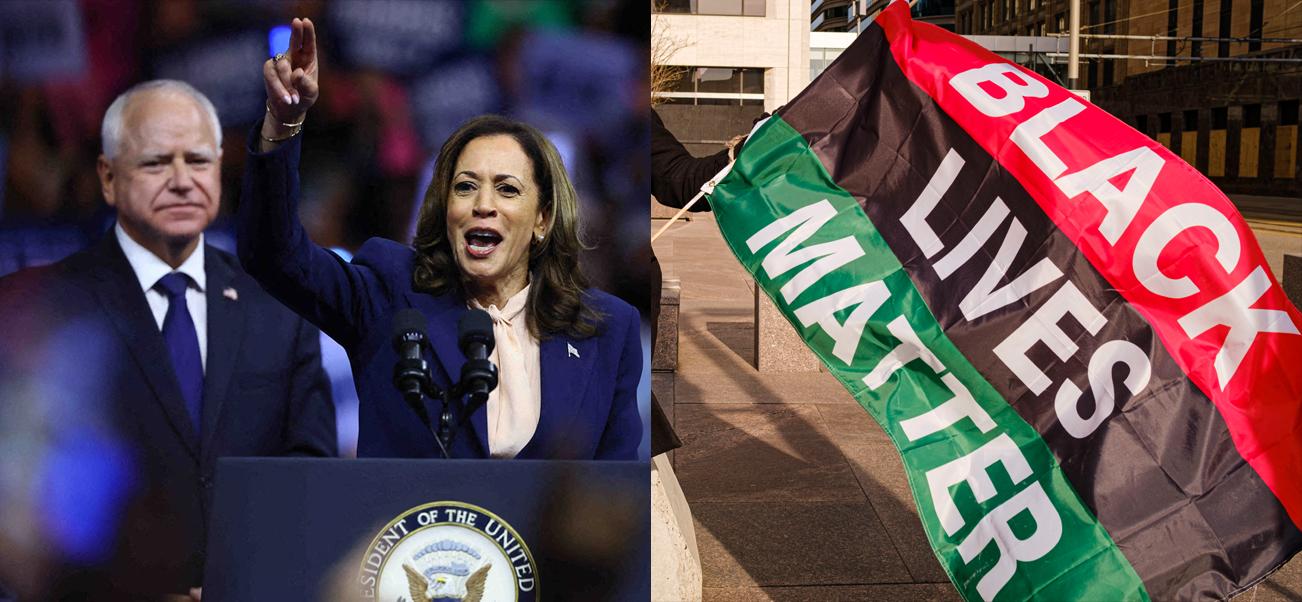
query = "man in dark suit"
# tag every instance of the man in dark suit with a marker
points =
(193, 360)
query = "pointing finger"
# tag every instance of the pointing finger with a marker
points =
(309, 40)
(295, 35)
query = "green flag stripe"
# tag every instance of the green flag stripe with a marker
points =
(1000, 495)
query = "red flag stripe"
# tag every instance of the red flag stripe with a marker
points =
(1177, 250)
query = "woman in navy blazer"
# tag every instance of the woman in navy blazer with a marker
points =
(500, 215)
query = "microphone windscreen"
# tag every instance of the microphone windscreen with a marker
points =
(407, 321)
(475, 326)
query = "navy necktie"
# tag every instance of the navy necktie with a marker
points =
(183, 342)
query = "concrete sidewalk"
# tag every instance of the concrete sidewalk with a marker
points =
(797, 494)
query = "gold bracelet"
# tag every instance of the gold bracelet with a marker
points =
(288, 125)
(292, 132)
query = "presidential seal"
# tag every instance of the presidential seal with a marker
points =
(445, 551)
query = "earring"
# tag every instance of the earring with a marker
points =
(539, 238)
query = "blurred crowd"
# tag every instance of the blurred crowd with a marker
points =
(397, 77)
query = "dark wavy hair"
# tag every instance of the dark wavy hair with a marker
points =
(556, 291)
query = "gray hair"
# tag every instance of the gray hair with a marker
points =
(111, 128)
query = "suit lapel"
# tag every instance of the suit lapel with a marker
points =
(118, 291)
(225, 335)
(566, 369)
(444, 312)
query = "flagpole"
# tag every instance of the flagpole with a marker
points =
(678, 215)
(706, 188)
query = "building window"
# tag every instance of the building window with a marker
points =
(1250, 142)
(1217, 143)
(1255, 8)
(1189, 140)
(1223, 48)
(1288, 112)
(1286, 140)
(837, 12)
(718, 86)
(1172, 26)
(1163, 136)
(1196, 47)
(672, 6)
(745, 8)
(817, 63)
(1252, 116)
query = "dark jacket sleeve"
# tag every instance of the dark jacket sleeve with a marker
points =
(623, 433)
(337, 296)
(311, 425)
(676, 175)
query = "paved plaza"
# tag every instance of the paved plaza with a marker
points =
(796, 493)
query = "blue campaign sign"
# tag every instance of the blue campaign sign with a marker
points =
(397, 36)
(583, 83)
(449, 95)
(226, 69)
(41, 40)
(278, 40)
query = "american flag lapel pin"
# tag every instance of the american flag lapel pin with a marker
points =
(230, 293)
(571, 350)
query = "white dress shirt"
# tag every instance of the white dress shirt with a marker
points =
(149, 268)
(516, 404)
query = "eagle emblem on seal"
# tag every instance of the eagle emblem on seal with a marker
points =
(448, 571)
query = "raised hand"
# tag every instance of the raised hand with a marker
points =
(291, 80)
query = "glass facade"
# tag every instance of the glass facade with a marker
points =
(936, 8)
(820, 58)
(738, 8)
(717, 86)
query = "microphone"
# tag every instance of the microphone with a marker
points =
(411, 373)
(475, 334)
(478, 375)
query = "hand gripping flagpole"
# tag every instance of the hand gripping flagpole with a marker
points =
(706, 188)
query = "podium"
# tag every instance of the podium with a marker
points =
(385, 529)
